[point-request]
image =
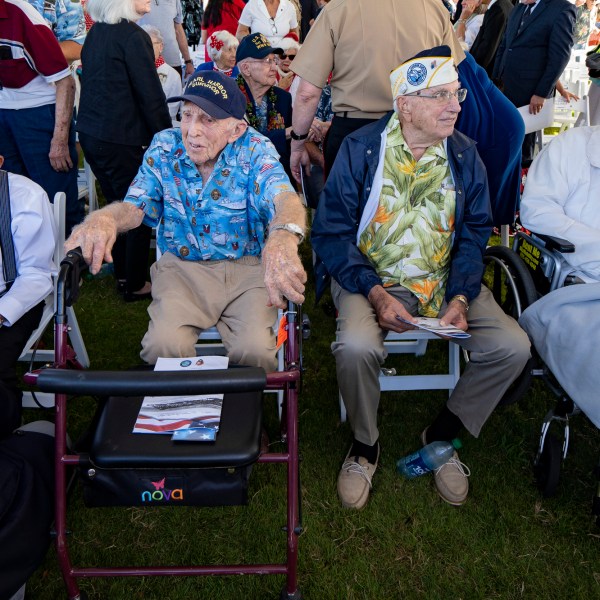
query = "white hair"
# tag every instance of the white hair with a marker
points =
(228, 40)
(153, 32)
(112, 11)
(289, 44)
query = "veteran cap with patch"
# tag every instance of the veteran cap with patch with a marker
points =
(427, 69)
(216, 94)
(255, 46)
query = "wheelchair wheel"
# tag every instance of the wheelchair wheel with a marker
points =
(512, 286)
(547, 469)
(509, 280)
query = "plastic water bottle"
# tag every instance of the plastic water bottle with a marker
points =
(427, 459)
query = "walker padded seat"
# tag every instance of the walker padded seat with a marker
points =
(114, 446)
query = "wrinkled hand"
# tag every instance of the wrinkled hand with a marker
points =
(59, 156)
(284, 274)
(387, 309)
(535, 104)
(96, 237)
(299, 159)
(189, 69)
(455, 315)
(286, 81)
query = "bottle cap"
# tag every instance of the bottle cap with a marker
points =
(457, 444)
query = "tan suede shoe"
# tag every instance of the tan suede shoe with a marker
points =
(451, 479)
(354, 480)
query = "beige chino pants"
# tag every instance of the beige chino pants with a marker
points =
(190, 296)
(498, 349)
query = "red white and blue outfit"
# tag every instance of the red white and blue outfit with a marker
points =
(32, 62)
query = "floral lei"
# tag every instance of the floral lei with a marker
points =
(274, 118)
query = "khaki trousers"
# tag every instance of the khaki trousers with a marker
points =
(190, 296)
(498, 349)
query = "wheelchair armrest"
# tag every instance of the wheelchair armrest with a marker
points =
(555, 243)
(151, 383)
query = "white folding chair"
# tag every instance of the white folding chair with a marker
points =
(76, 340)
(415, 342)
(86, 184)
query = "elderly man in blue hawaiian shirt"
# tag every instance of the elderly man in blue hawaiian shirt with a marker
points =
(228, 227)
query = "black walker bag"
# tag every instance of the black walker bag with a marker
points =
(135, 469)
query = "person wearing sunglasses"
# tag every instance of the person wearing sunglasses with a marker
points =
(273, 18)
(285, 76)
(268, 108)
(401, 227)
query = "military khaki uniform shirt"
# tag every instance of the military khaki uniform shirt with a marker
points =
(362, 41)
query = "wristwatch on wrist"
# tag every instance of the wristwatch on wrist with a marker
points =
(291, 227)
(189, 61)
(462, 299)
(295, 136)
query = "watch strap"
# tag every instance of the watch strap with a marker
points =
(295, 136)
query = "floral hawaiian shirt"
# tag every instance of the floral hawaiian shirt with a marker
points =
(65, 18)
(409, 239)
(225, 217)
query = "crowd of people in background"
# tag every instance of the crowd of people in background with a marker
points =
(306, 83)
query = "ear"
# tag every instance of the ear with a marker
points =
(243, 68)
(403, 105)
(1, 161)
(237, 131)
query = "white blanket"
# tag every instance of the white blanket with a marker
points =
(564, 326)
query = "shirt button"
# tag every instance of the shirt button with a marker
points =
(368, 152)
(459, 155)
(369, 189)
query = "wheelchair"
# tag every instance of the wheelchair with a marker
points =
(120, 468)
(518, 277)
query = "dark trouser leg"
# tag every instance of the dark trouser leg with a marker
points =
(115, 166)
(528, 150)
(25, 137)
(340, 128)
(12, 342)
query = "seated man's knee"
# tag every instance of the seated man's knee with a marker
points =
(254, 355)
(163, 342)
(515, 348)
(358, 347)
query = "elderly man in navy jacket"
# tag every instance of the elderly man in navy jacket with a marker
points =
(401, 227)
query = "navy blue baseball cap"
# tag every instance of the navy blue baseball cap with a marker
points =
(255, 46)
(216, 94)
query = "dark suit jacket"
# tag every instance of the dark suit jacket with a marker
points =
(490, 33)
(530, 62)
(122, 100)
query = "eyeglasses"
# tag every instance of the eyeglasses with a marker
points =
(265, 61)
(444, 96)
(290, 56)
(273, 26)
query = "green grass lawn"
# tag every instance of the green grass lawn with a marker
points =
(505, 542)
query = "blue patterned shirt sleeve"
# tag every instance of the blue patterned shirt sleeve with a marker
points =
(223, 218)
(65, 18)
